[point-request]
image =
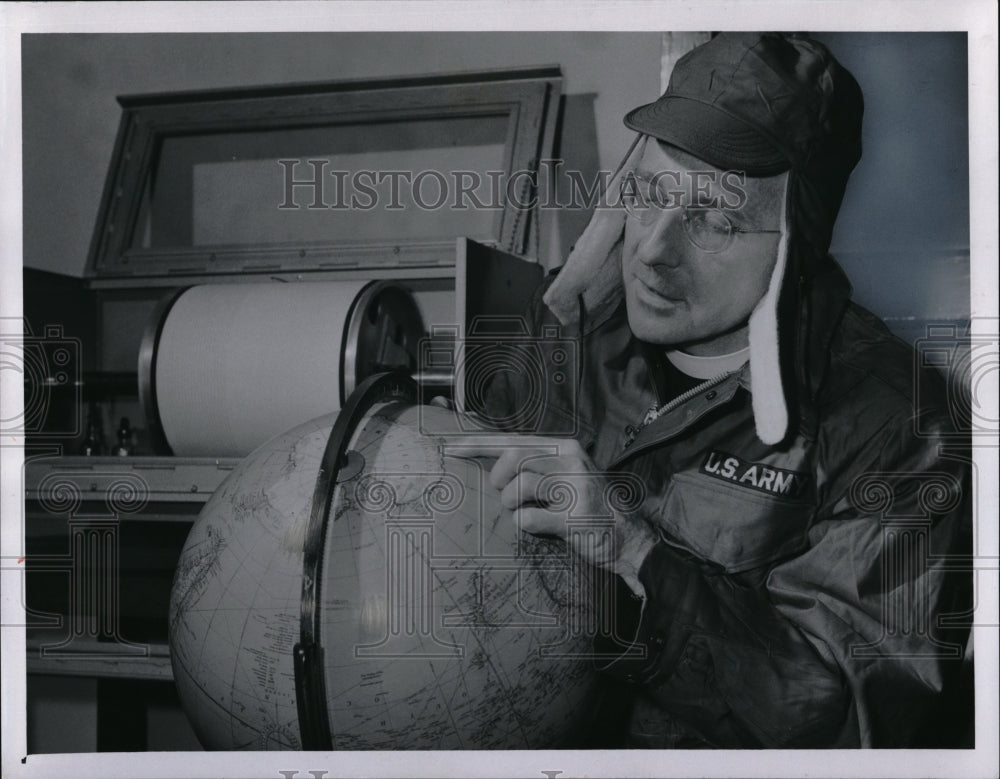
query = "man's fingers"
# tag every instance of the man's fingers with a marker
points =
(540, 522)
(519, 454)
(505, 469)
(496, 444)
(514, 462)
(520, 490)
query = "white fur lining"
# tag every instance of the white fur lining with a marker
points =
(592, 269)
(770, 409)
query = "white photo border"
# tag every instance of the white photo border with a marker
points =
(978, 18)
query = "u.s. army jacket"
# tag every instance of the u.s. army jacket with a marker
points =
(815, 593)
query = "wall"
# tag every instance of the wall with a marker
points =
(71, 116)
(903, 231)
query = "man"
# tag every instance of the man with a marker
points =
(767, 597)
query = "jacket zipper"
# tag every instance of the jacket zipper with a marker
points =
(655, 412)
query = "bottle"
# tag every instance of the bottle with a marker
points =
(93, 444)
(124, 446)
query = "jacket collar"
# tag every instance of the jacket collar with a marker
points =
(822, 300)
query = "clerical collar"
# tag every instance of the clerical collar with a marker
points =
(708, 367)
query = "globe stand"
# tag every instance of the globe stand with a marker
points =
(310, 685)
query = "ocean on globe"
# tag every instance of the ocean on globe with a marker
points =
(441, 625)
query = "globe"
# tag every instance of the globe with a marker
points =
(439, 625)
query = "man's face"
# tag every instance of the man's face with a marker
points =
(679, 295)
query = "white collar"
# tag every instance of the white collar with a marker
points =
(708, 367)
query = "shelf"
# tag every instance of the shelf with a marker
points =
(155, 479)
(101, 660)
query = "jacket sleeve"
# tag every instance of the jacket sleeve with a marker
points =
(846, 644)
(887, 587)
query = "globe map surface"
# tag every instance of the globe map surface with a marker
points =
(442, 626)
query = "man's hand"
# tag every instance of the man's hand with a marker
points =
(544, 482)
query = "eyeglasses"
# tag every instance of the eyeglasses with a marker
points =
(707, 228)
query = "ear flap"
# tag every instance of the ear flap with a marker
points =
(770, 403)
(593, 268)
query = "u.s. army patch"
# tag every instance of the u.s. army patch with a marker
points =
(755, 476)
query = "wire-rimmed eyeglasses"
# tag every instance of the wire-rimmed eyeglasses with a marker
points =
(707, 228)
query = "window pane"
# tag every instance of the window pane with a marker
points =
(379, 181)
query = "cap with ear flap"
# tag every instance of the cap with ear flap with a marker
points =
(761, 103)
(764, 103)
(591, 278)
